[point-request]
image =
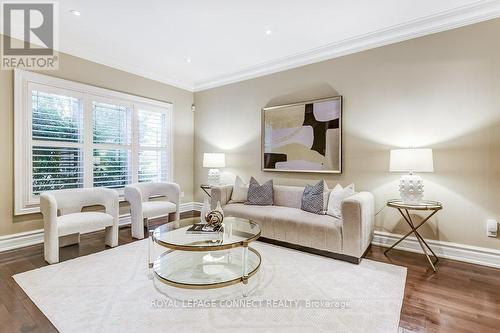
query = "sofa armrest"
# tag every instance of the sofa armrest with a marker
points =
(358, 219)
(222, 194)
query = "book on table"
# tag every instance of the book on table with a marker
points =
(203, 228)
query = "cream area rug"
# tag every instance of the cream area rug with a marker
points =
(112, 291)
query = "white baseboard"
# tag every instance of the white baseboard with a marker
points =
(192, 206)
(22, 239)
(197, 206)
(461, 252)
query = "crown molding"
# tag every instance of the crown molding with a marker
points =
(458, 17)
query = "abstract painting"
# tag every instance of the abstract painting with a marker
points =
(303, 137)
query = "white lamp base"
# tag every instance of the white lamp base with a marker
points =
(213, 177)
(411, 189)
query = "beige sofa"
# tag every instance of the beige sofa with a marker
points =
(286, 224)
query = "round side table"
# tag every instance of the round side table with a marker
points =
(404, 209)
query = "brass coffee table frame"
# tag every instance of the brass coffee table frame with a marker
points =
(404, 209)
(242, 279)
(192, 248)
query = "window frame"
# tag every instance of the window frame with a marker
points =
(24, 81)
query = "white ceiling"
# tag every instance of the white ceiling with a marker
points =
(226, 40)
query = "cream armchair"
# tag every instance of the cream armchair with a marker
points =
(166, 203)
(63, 217)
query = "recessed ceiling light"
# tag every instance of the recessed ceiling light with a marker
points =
(268, 32)
(75, 12)
(188, 60)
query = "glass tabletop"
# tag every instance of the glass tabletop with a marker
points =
(422, 205)
(236, 232)
(205, 270)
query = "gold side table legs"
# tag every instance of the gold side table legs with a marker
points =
(407, 217)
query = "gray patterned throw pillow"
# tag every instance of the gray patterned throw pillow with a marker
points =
(261, 195)
(312, 198)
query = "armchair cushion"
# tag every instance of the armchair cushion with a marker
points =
(82, 222)
(157, 208)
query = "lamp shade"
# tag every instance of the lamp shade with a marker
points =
(214, 160)
(411, 160)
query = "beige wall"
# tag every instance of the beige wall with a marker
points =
(440, 91)
(77, 69)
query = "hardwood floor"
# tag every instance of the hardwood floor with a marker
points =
(460, 297)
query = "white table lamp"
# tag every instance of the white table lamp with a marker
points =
(214, 161)
(411, 187)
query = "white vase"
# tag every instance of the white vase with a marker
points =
(204, 210)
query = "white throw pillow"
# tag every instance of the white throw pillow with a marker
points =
(240, 191)
(338, 194)
(326, 196)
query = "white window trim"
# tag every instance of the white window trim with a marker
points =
(23, 203)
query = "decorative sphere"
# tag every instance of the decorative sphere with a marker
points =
(214, 218)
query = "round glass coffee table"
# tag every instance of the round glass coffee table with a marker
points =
(205, 261)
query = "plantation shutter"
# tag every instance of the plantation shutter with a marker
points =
(154, 147)
(56, 146)
(112, 136)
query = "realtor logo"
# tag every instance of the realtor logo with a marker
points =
(30, 36)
